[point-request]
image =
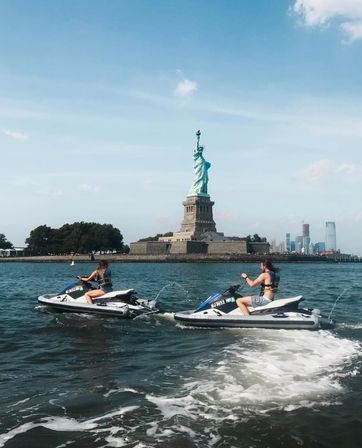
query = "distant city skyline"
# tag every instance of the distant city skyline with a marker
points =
(304, 243)
(100, 102)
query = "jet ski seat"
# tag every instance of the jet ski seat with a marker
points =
(118, 294)
(275, 304)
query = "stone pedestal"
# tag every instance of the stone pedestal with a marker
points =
(198, 223)
(198, 217)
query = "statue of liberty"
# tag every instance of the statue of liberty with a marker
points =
(199, 186)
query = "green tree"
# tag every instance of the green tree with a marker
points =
(156, 237)
(40, 240)
(4, 243)
(125, 249)
(81, 237)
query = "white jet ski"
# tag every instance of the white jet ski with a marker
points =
(122, 303)
(221, 310)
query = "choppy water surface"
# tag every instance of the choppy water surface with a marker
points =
(85, 381)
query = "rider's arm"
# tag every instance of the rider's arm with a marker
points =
(87, 279)
(255, 282)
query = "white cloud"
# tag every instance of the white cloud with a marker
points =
(347, 168)
(185, 88)
(14, 134)
(321, 170)
(353, 30)
(321, 12)
(316, 171)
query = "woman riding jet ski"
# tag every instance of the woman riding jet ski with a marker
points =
(82, 297)
(231, 309)
(221, 310)
(268, 281)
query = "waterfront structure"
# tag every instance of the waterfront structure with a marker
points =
(330, 240)
(13, 252)
(198, 234)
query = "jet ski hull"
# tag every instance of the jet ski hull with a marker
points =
(96, 308)
(220, 310)
(294, 321)
(111, 306)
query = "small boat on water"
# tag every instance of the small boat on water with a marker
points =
(122, 303)
(221, 310)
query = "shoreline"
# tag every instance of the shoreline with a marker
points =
(182, 258)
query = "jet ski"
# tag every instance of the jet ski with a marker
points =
(221, 310)
(124, 303)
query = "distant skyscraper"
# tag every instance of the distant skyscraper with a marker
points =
(306, 239)
(287, 242)
(311, 248)
(282, 247)
(331, 245)
(306, 244)
(299, 244)
(305, 230)
(273, 246)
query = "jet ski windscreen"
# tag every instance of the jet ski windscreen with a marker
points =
(208, 301)
(224, 301)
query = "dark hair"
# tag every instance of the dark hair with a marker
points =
(103, 264)
(269, 265)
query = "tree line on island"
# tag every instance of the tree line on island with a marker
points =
(79, 237)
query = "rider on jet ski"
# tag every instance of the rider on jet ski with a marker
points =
(268, 281)
(103, 276)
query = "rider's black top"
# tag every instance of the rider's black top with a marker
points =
(273, 286)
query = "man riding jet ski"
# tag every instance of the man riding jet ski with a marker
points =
(221, 310)
(75, 298)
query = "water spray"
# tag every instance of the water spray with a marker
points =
(172, 284)
(341, 295)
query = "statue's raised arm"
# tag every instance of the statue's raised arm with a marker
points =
(201, 166)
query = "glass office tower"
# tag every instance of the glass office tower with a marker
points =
(306, 238)
(287, 242)
(331, 244)
(305, 229)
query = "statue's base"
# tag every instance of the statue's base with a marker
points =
(198, 216)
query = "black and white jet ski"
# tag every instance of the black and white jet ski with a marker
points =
(221, 310)
(123, 303)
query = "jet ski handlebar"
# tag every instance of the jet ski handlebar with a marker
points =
(233, 288)
(89, 285)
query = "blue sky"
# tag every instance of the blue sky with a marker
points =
(100, 102)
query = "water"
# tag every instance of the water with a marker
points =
(85, 381)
